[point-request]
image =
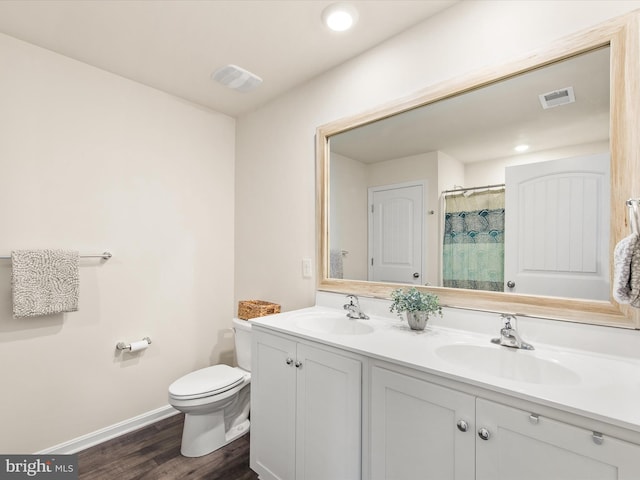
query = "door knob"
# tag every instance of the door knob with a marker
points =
(484, 434)
(462, 425)
(416, 275)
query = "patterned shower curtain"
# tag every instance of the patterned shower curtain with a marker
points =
(473, 244)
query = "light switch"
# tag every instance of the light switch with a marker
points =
(306, 267)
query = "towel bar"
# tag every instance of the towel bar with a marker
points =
(104, 256)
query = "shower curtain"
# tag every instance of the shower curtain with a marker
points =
(473, 243)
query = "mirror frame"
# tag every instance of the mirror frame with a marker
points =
(622, 35)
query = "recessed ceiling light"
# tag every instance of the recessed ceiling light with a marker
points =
(521, 148)
(340, 16)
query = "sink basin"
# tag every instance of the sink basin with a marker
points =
(508, 363)
(333, 323)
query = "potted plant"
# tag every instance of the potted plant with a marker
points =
(417, 306)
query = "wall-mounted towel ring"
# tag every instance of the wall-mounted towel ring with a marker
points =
(134, 346)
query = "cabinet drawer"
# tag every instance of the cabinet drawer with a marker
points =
(527, 447)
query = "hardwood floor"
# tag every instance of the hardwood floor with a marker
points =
(153, 453)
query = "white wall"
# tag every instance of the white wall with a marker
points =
(275, 160)
(91, 161)
(348, 212)
(491, 172)
(451, 173)
(350, 182)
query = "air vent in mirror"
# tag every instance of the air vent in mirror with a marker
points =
(557, 97)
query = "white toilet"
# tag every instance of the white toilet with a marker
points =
(215, 400)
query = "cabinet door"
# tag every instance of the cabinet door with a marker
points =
(413, 430)
(273, 408)
(328, 427)
(543, 449)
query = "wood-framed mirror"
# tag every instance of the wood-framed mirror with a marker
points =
(611, 50)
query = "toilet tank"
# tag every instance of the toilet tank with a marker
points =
(242, 329)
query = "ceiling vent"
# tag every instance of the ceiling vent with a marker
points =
(236, 78)
(557, 98)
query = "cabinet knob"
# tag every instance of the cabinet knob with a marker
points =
(298, 364)
(511, 284)
(462, 425)
(484, 434)
(289, 361)
(598, 438)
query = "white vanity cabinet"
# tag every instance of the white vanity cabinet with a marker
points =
(527, 446)
(423, 430)
(305, 410)
(419, 430)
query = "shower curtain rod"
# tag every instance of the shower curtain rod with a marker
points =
(496, 185)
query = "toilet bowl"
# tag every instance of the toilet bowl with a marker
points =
(215, 400)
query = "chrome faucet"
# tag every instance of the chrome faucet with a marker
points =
(509, 336)
(353, 309)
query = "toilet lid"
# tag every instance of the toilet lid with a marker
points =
(206, 381)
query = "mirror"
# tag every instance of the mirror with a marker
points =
(468, 140)
(430, 191)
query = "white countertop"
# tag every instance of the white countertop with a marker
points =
(595, 385)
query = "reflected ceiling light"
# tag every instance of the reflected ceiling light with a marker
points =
(340, 16)
(521, 148)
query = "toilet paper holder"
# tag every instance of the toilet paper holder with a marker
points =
(124, 346)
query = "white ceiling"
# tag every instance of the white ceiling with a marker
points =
(175, 45)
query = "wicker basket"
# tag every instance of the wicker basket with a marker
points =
(256, 308)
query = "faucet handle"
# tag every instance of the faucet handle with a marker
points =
(353, 308)
(350, 305)
(353, 300)
(509, 336)
(506, 318)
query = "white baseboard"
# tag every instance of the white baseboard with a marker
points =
(112, 431)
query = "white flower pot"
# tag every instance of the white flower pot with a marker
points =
(417, 320)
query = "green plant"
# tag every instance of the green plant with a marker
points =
(413, 300)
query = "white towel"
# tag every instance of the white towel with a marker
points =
(622, 261)
(44, 282)
(335, 264)
(634, 276)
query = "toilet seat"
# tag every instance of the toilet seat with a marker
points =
(206, 382)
